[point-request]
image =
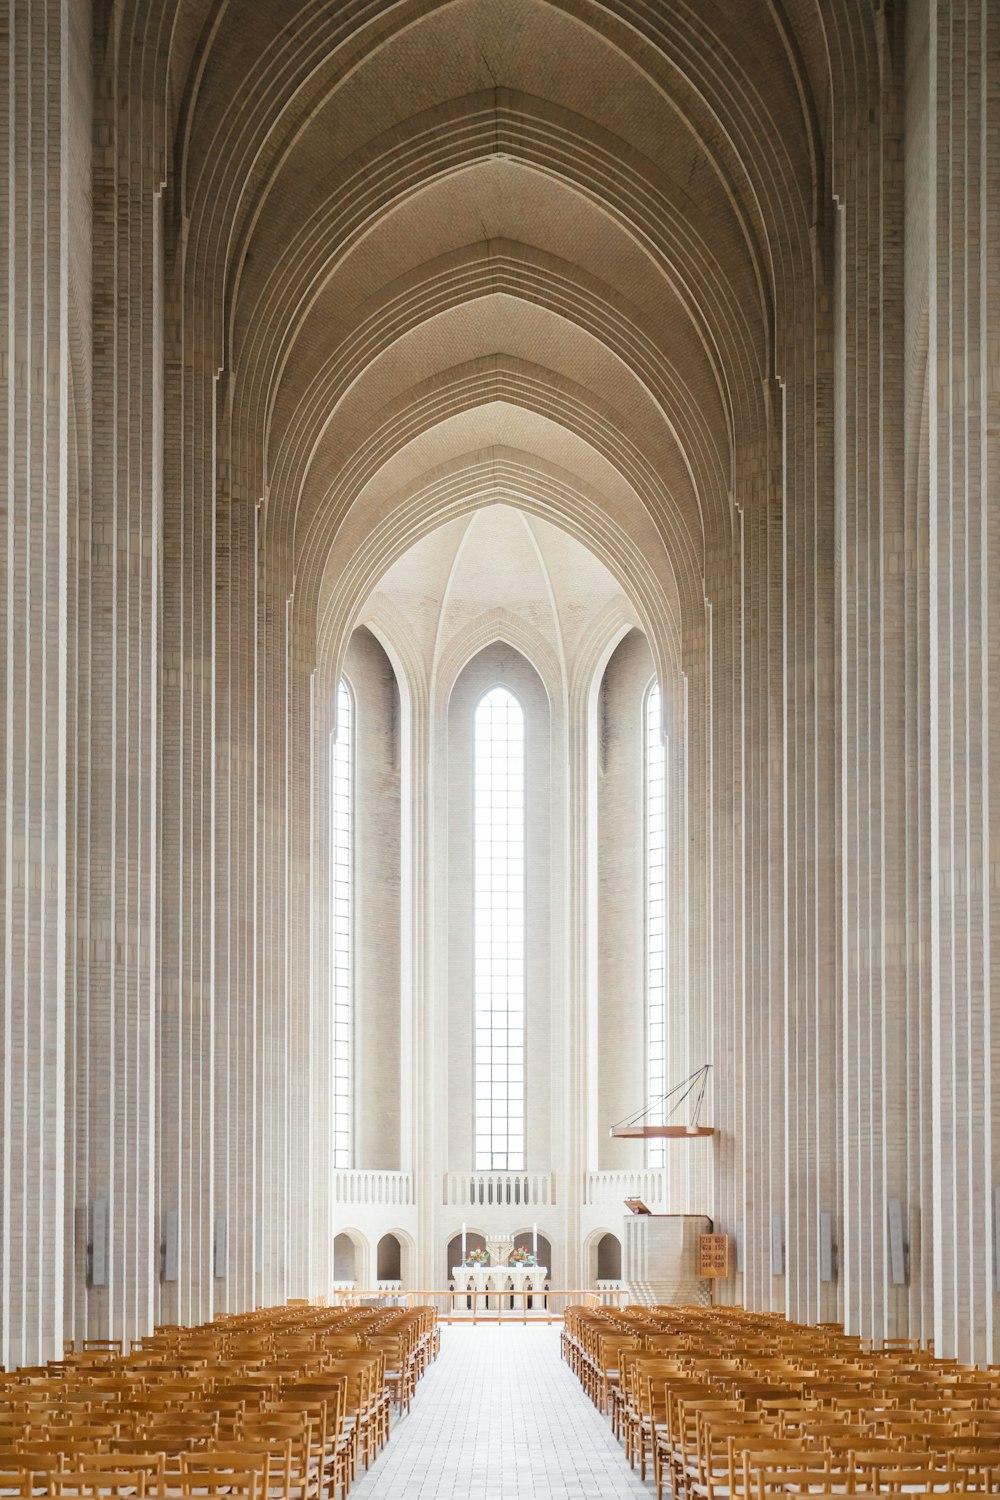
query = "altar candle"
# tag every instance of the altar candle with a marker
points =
(463, 1244)
(534, 1240)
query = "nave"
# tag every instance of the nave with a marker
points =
(500, 1414)
(501, 572)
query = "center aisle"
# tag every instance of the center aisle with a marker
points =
(500, 1416)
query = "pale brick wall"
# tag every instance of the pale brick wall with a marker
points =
(286, 291)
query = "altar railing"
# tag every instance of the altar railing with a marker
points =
(465, 1306)
(499, 1189)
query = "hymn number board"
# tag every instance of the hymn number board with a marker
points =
(713, 1255)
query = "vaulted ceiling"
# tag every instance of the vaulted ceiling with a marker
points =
(448, 254)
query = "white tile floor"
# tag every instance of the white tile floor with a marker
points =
(500, 1417)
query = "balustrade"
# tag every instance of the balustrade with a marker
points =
(614, 1187)
(499, 1189)
(372, 1187)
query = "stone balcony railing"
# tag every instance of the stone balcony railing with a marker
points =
(612, 1188)
(499, 1189)
(371, 1187)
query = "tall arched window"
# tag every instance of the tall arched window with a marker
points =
(341, 924)
(656, 913)
(498, 930)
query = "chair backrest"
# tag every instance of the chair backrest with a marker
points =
(272, 1463)
(331, 1392)
(96, 1481)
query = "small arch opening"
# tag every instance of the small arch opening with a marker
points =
(609, 1258)
(389, 1259)
(345, 1259)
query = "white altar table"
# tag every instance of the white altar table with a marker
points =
(489, 1283)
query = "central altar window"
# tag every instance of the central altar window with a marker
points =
(498, 930)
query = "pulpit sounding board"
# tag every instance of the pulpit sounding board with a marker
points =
(638, 1126)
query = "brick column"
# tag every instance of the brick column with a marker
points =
(35, 125)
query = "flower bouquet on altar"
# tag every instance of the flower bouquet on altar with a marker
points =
(477, 1257)
(521, 1256)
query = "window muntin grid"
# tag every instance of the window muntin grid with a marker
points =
(656, 915)
(498, 930)
(341, 900)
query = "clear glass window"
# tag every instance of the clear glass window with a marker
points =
(656, 901)
(498, 930)
(341, 899)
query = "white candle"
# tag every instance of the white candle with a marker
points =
(534, 1240)
(463, 1244)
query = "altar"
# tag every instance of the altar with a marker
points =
(490, 1283)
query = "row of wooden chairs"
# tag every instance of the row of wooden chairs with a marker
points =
(722, 1402)
(279, 1404)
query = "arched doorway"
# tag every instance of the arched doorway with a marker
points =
(609, 1258)
(388, 1260)
(350, 1259)
(602, 1258)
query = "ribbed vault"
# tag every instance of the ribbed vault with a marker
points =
(476, 480)
(374, 204)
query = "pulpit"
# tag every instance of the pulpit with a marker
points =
(660, 1258)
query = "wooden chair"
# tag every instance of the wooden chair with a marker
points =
(810, 1477)
(126, 1484)
(643, 1412)
(606, 1360)
(975, 1468)
(331, 1444)
(669, 1460)
(237, 1483)
(83, 1434)
(273, 1430)
(753, 1455)
(893, 1471)
(16, 1482)
(365, 1403)
(695, 1417)
(271, 1463)
(152, 1466)
(719, 1436)
(397, 1348)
